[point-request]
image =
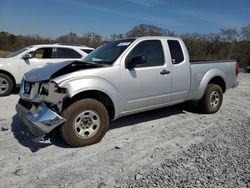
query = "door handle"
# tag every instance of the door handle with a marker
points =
(164, 72)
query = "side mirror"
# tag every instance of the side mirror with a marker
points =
(28, 56)
(134, 61)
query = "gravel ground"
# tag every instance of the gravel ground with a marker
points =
(169, 147)
(220, 160)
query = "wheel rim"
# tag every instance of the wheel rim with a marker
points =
(214, 99)
(87, 124)
(4, 86)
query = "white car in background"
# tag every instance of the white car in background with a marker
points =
(13, 67)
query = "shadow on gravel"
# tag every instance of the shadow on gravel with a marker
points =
(15, 91)
(152, 115)
(24, 137)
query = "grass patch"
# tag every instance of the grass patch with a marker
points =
(4, 53)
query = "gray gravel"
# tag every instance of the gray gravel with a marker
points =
(221, 160)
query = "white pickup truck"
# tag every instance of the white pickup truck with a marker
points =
(13, 67)
(119, 78)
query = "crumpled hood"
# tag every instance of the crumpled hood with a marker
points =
(57, 69)
(45, 72)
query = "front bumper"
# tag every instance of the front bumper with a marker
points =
(40, 120)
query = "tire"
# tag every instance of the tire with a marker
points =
(86, 123)
(212, 99)
(6, 85)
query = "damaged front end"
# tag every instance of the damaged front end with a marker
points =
(39, 106)
(41, 99)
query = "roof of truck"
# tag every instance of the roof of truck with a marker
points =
(148, 37)
(158, 37)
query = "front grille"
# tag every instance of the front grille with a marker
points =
(25, 103)
(29, 89)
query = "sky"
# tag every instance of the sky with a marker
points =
(52, 18)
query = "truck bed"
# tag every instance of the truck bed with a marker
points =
(200, 71)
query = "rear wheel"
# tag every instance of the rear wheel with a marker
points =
(86, 123)
(6, 85)
(212, 99)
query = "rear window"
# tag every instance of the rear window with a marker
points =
(67, 53)
(175, 51)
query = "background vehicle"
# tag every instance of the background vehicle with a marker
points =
(13, 67)
(248, 68)
(120, 78)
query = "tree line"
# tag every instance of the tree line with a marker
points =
(226, 44)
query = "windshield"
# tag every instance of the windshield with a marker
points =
(108, 53)
(17, 52)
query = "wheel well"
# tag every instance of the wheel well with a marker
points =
(93, 94)
(11, 77)
(219, 81)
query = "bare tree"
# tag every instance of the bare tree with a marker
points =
(116, 36)
(230, 35)
(245, 32)
(245, 35)
(148, 30)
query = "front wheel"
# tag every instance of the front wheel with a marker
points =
(6, 85)
(212, 99)
(86, 123)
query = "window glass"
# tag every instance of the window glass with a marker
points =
(175, 51)
(108, 53)
(152, 50)
(67, 53)
(86, 50)
(17, 52)
(43, 53)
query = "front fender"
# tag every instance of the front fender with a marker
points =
(94, 83)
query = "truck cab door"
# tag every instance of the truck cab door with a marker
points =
(146, 84)
(180, 71)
